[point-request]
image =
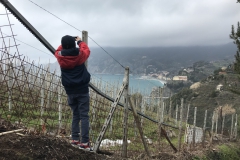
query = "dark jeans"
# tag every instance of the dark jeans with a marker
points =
(79, 104)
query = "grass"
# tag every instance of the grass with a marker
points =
(229, 152)
(25, 109)
(223, 152)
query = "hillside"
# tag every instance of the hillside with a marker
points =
(154, 59)
(205, 96)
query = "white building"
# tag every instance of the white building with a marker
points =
(180, 78)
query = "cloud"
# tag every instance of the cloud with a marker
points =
(129, 23)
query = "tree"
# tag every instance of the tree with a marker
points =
(235, 35)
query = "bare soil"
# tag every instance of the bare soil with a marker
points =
(40, 147)
(15, 147)
(32, 146)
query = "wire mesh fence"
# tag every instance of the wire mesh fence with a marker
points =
(33, 98)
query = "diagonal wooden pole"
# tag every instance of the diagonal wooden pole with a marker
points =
(139, 126)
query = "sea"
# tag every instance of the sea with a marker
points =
(137, 83)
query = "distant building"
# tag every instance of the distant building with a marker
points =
(180, 78)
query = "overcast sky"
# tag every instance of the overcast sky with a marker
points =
(120, 23)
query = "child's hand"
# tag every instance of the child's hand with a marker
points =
(77, 39)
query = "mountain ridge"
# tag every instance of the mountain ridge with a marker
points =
(142, 60)
(161, 58)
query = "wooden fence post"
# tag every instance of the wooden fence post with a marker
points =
(48, 87)
(235, 133)
(204, 129)
(176, 120)
(23, 78)
(125, 119)
(42, 97)
(111, 121)
(85, 39)
(216, 131)
(30, 78)
(60, 106)
(231, 131)
(223, 121)
(143, 108)
(187, 126)
(187, 115)
(170, 108)
(160, 119)
(194, 127)
(139, 127)
(211, 139)
(162, 114)
(180, 126)
(10, 84)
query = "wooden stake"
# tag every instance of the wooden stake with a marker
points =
(138, 123)
(176, 122)
(170, 109)
(231, 131)
(160, 120)
(235, 133)
(180, 126)
(204, 129)
(216, 130)
(85, 39)
(223, 121)
(211, 139)
(194, 127)
(187, 115)
(18, 130)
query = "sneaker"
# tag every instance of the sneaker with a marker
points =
(75, 143)
(86, 147)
